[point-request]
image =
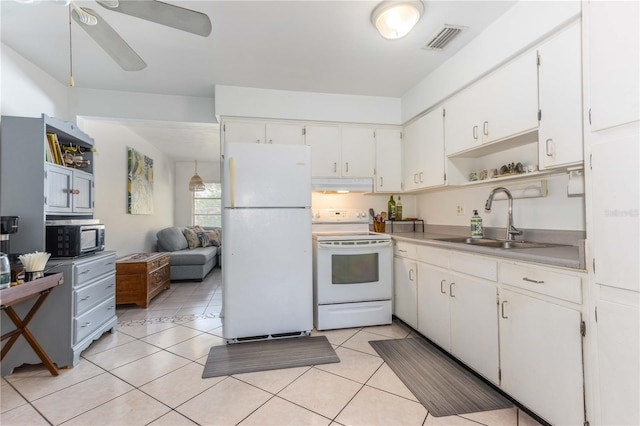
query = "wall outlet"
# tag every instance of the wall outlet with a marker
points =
(460, 210)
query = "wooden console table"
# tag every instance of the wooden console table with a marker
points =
(141, 276)
(10, 296)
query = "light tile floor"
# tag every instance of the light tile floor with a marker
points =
(149, 373)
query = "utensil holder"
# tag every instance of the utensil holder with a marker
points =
(378, 226)
(34, 275)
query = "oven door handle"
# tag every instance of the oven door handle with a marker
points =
(375, 244)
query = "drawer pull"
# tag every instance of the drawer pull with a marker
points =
(85, 298)
(502, 310)
(85, 272)
(531, 280)
(86, 324)
(402, 251)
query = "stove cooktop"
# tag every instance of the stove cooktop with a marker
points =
(350, 236)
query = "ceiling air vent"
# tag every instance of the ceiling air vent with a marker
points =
(443, 37)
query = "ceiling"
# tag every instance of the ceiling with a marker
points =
(300, 45)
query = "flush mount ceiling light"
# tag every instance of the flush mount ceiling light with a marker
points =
(394, 19)
(196, 183)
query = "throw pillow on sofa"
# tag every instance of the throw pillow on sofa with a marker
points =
(171, 239)
(204, 239)
(215, 237)
(192, 238)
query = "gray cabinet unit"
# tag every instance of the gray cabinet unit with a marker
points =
(36, 189)
(73, 316)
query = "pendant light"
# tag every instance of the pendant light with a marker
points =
(394, 18)
(196, 183)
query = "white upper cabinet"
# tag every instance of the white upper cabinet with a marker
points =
(285, 133)
(341, 152)
(358, 152)
(501, 105)
(388, 160)
(261, 132)
(614, 63)
(243, 132)
(326, 159)
(560, 85)
(424, 152)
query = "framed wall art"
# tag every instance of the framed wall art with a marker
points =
(139, 183)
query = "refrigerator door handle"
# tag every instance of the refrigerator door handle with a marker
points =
(232, 182)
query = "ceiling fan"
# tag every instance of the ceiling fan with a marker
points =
(149, 10)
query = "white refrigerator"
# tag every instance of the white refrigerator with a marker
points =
(266, 253)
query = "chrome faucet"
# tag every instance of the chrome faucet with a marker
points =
(512, 231)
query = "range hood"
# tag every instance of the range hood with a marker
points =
(342, 185)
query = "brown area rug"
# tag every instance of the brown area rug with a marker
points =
(440, 384)
(265, 355)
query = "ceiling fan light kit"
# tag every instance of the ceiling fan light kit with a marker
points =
(150, 10)
(394, 19)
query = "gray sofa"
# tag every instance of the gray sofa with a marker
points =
(187, 264)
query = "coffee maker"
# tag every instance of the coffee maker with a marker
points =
(8, 225)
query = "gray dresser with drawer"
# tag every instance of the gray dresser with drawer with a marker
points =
(75, 314)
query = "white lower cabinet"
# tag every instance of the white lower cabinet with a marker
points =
(517, 324)
(541, 357)
(433, 305)
(458, 312)
(474, 324)
(541, 333)
(618, 371)
(405, 291)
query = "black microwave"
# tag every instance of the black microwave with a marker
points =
(74, 240)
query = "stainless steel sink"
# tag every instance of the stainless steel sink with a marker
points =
(501, 244)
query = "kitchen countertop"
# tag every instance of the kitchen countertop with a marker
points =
(569, 256)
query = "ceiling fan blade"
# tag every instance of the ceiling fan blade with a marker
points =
(164, 14)
(111, 42)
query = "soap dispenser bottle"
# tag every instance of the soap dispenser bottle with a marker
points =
(476, 225)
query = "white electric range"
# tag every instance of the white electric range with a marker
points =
(352, 271)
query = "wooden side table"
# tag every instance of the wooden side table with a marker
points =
(10, 296)
(141, 276)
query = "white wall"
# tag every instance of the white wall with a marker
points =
(378, 202)
(28, 91)
(520, 27)
(284, 104)
(141, 106)
(208, 171)
(128, 233)
(556, 211)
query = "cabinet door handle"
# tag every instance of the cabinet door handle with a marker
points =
(74, 191)
(335, 167)
(502, 310)
(531, 280)
(485, 128)
(475, 132)
(451, 290)
(402, 251)
(271, 141)
(442, 290)
(346, 167)
(421, 175)
(257, 140)
(415, 178)
(381, 182)
(410, 274)
(549, 147)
